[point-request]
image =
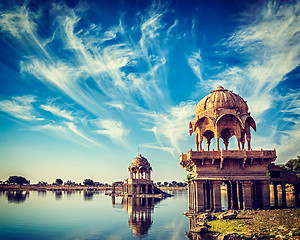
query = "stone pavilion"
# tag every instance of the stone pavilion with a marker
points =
(223, 115)
(140, 178)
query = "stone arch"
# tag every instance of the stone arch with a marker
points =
(228, 125)
(208, 135)
(133, 172)
(249, 122)
(201, 126)
(226, 134)
(143, 170)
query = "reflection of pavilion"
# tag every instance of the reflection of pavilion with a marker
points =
(140, 213)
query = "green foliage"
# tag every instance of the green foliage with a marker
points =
(189, 167)
(189, 177)
(59, 181)
(17, 180)
(293, 165)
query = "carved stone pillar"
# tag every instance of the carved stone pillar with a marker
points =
(211, 187)
(247, 194)
(217, 195)
(207, 196)
(189, 195)
(197, 142)
(265, 194)
(275, 194)
(283, 195)
(200, 143)
(234, 196)
(147, 188)
(228, 195)
(199, 196)
(240, 193)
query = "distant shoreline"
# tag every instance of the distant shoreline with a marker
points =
(71, 188)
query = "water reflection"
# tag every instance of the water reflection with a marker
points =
(58, 195)
(42, 193)
(140, 213)
(16, 196)
(88, 195)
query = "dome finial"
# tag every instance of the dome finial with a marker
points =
(219, 88)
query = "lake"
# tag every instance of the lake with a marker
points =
(78, 215)
(94, 215)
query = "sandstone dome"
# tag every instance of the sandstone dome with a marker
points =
(139, 162)
(222, 114)
(221, 98)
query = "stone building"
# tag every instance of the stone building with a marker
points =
(221, 115)
(140, 178)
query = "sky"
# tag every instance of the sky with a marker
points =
(87, 85)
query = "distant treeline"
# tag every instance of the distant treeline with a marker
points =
(170, 184)
(86, 182)
(58, 182)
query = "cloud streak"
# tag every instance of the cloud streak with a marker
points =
(171, 127)
(269, 47)
(20, 108)
(113, 129)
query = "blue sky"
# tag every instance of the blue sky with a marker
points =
(84, 84)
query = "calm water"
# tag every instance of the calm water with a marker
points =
(50, 215)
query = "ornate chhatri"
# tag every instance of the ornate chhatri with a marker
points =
(222, 114)
(140, 177)
(140, 168)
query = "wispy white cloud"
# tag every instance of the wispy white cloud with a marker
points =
(116, 105)
(171, 127)
(171, 150)
(79, 133)
(17, 22)
(20, 23)
(55, 110)
(195, 62)
(289, 130)
(97, 69)
(20, 107)
(59, 129)
(173, 26)
(270, 49)
(113, 129)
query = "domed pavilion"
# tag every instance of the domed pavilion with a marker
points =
(223, 114)
(140, 177)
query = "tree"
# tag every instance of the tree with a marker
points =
(42, 183)
(88, 182)
(69, 182)
(59, 181)
(293, 165)
(17, 180)
(174, 184)
(159, 184)
(166, 184)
